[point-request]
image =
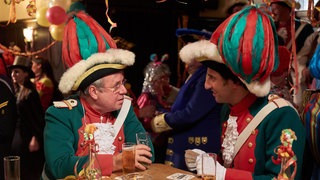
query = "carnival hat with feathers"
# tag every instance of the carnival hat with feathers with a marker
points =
(246, 43)
(90, 53)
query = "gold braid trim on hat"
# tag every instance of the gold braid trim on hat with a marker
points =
(92, 70)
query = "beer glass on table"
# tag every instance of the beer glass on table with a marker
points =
(11, 167)
(209, 161)
(143, 138)
(128, 157)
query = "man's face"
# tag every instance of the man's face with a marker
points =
(237, 8)
(221, 88)
(110, 96)
(279, 12)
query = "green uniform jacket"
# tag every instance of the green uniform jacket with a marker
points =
(254, 159)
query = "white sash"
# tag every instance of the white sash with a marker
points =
(122, 115)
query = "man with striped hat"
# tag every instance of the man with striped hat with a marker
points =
(96, 77)
(240, 56)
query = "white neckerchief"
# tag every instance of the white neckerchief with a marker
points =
(104, 136)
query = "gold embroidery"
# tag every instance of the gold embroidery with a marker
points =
(204, 140)
(191, 140)
(197, 141)
(4, 104)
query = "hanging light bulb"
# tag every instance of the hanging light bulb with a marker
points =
(28, 34)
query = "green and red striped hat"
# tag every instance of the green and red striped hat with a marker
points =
(247, 44)
(89, 53)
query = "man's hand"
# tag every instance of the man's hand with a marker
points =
(143, 156)
(190, 157)
(220, 170)
(34, 144)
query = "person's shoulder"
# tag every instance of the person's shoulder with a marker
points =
(6, 83)
(282, 105)
(66, 104)
(304, 23)
(307, 26)
(70, 102)
(46, 80)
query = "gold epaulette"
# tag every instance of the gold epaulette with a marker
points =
(280, 102)
(69, 103)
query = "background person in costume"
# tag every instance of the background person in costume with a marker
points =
(280, 84)
(96, 79)
(7, 58)
(283, 15)
(192, 112)
(8, 115)
(156, 97)
(241, 79)
(28, 139)
(44, 81)
(311, 118)
(233, 6)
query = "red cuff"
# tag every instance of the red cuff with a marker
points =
(236, 174)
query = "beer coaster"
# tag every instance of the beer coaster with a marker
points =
(180, 176)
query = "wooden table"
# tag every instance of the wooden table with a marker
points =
(159, 172)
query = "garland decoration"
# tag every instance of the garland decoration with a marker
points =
(4, 48)
(12, 11)
(31, 8)
(294, 62)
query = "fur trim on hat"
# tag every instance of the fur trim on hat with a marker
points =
(200, 50)
(111, 56)
(257, 88)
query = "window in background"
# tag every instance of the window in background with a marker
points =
(304, 4)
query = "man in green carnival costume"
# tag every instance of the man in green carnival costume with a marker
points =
(240, 57)
(96, 74)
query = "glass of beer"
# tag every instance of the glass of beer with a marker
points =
(11, 168)
(128, 157)
(209, 161)
(143, 138)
